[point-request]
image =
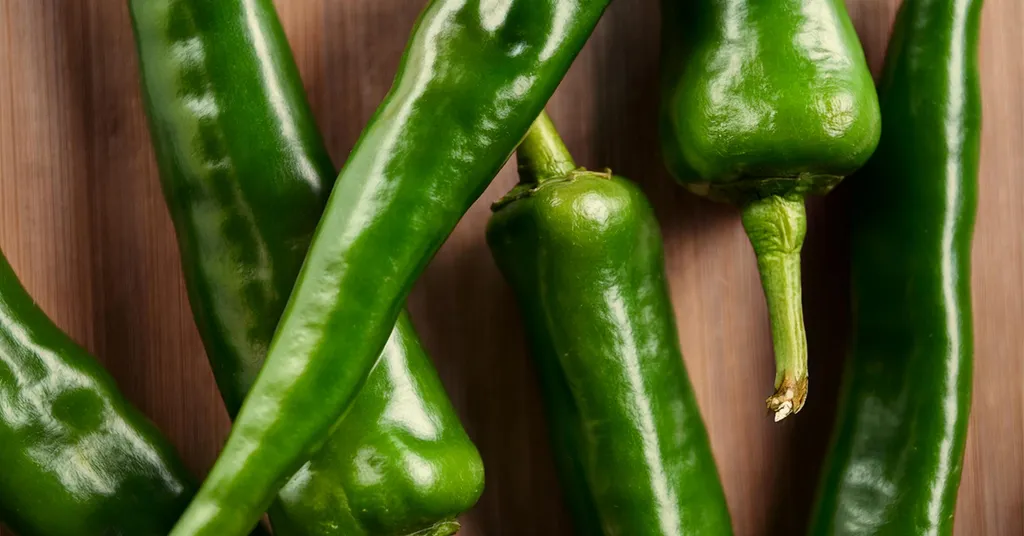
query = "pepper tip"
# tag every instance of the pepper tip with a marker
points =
(788, 399)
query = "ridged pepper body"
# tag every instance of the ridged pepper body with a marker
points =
(897, 453)
(583, 253)
(764, 102)
(246, 177)
(76, 458)
(473, 77)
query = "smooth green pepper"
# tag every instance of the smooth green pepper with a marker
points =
(76, 459)
(474, 76)
(894, 467)
(408, 466)
(583, 253)
(245, 200)
(764, 102)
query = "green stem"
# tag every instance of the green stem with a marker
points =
(776, 226)
(542, 155)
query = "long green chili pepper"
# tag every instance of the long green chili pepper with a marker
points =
(245, 201)
(76, 459)
(897, 453)
(583, 253)
(764, 103)
(474, 76)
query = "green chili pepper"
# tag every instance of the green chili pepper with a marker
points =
(762, 104)
(76, 459)
(245, 200)
(897, 452)
(473, 78)
(583, 253)
(407, 468)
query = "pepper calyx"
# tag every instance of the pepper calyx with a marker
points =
(528, 189)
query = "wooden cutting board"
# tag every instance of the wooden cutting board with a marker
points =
(83, 222)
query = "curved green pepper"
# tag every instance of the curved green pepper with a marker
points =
(894, 467)
(583, 253)
(76, 459)
(762, 104)
(245, 200)
(474, 76)
(408, 466)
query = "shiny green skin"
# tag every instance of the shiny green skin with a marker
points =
(764, 97)
(76, 459)
(583, 253)
(407, 467)
(245, 201)
(764, 102)
(897, 453)
(471, 81)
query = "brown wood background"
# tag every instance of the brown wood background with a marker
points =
(83, 222)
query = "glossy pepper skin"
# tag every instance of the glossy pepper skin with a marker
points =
(763, 103)
(897, 452)
(473, 78)
(583, 253)
(76, 459)
(245, 200)
(408, 468)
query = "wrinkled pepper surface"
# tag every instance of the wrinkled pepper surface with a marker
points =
(583, 252)
(473, 77)
(897, 454)
(76, 458)
(764, 103)
(246, 177)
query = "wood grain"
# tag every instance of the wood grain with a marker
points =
(83, 222)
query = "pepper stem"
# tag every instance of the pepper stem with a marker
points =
(542, 155)
(776, 226)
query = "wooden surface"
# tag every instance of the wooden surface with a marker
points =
(83, 222)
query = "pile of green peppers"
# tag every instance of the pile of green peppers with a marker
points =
(298, 275)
